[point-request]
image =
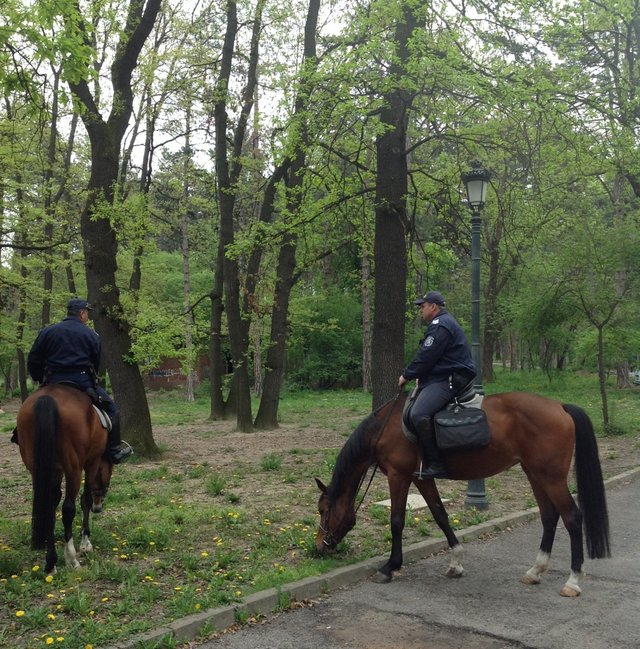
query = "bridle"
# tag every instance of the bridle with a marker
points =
(328, 536)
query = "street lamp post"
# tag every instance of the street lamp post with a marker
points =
(476, 181)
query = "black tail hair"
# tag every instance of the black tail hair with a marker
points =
(591, 494)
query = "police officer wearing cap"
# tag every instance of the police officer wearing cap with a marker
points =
(69, 351)
(443, 367)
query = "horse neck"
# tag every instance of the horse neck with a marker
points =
(357, 455)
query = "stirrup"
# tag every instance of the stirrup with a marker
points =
(122, 453)
(434, 470)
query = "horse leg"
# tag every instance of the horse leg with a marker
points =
(556, 501)
(549, 516)
(86, 501)
(51, 557)
(68, 514)
(398, 490)
(572, 519)
(430, 493)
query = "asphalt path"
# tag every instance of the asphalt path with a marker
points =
(488, 608)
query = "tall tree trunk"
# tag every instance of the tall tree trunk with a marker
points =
(622, 375)
(99, 237)
(267, 417)
(390, 255)
(217, 362)
(602, 378)
(226, 200)
(227, 176)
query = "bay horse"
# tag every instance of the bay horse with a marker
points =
(538, 433)
(60, 434)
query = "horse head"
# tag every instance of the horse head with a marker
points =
(337, 517)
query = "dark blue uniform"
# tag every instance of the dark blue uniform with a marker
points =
(69, 351)
(442, 365)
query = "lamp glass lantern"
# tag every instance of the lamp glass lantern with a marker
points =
(476, 182)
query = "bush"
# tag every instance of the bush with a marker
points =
(326, 350)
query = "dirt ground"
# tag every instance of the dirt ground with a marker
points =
(221, 448)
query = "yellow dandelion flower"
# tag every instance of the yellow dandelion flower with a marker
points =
(104, 599)
(204, 554)
(19, 613)
(88, 646)
(49, 640)
(197, 607)
(59, 639)
(49, 578)
(35, 568)
(51, 616)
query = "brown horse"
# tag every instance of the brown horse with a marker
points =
(527, 429)
(60, 433)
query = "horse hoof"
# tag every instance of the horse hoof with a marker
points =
(567, 591)
(529, 580)
(382, 577)
(455, 573)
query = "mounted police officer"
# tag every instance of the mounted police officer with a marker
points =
(443, 367)
(69, 352)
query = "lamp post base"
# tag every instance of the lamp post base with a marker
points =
(476, 495)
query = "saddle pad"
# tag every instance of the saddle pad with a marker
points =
(461, 428)
(104, 418)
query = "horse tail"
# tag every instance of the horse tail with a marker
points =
(43, 513)
(591, 494)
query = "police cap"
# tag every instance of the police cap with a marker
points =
(432, 297)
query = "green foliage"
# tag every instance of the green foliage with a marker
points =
(271, 462)
(325, 349)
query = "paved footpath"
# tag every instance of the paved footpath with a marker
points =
(488, 608)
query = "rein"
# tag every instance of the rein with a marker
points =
(328, 535)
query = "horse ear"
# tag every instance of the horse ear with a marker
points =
(321, 486)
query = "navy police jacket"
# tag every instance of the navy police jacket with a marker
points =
(68, 348)
(443, 352)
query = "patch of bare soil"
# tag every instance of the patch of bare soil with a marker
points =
(219, 446)
(302, 454)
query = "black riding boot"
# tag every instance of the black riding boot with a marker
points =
(432, 465)
(118, 452)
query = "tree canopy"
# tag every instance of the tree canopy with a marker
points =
(270, 186)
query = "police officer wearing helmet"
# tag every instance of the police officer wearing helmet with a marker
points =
(69, 351)
(443, 367)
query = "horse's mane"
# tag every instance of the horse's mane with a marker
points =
(357, 450)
